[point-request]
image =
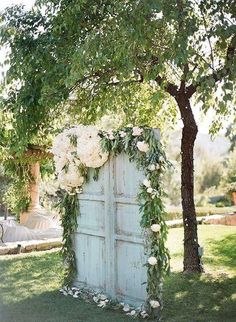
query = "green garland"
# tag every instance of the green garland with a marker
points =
(152, 163)
(69, 209)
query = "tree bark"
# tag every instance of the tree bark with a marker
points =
(192, 262)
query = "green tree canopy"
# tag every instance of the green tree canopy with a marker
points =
(105, 52)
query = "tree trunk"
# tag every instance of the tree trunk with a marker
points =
(192, 263)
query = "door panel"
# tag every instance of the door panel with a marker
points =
(109, 243)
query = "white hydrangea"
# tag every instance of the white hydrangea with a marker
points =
(60, 163)
(63, 153)
(89, 149)
(152, 260)
(71, 178)
(143, 146)
(70, 153)
(61, 144)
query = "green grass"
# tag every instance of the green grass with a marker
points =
(29, 286)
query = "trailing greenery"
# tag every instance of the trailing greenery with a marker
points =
(151, 205)
(69, 209)
(17, 196)
(152, 163)
(16, 157)
(18, 170)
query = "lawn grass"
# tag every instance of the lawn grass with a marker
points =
(29, 286)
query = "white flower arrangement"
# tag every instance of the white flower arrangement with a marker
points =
(89, 149)
(143, 146)
(70, 179)
(83, 147)
(152, 260)
(86, 150)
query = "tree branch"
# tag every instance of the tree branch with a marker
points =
(183, 79)
(169, 87)
(220, 73)
(83, 79)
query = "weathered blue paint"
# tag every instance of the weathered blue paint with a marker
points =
(109, 242)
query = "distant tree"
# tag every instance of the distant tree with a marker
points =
(106, 51)
(231, 135)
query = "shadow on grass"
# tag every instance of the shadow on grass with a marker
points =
(29, 292)
(223, 251)
(54, 307)
(199, 298)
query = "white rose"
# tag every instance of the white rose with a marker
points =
(122, 134)
(111, 137)
(142, 146)
(152, 167)
(137, 131)
(155, 228)
(149, 190)
(147, 183)
(154, 304)
(152, 260)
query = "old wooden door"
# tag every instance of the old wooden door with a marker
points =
(109, 242)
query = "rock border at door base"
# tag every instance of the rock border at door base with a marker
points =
(102, 301)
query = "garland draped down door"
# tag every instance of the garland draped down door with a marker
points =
(77, 151)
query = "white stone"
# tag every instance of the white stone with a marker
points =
(126, 308)
(102, 304)
(144, 314)
(95, 298)
(132, 313)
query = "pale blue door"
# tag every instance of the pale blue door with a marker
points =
(109, 243)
